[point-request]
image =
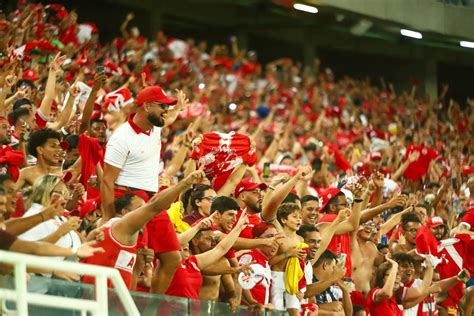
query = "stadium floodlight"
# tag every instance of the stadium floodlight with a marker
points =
(305, 8)
(466, 44)
(411, 34)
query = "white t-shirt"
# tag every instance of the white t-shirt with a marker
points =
(137, 154)
(40, 231)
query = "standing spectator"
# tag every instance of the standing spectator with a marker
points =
(132, 161)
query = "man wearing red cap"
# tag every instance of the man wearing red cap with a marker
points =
(249, 196)
(132, 161)
(333, 202)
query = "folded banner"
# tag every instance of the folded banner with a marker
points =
(221, 153)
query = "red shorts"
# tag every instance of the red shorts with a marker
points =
(161, 234)
(359, 302)
(160, 231)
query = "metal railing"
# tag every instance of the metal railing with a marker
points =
(99, 306)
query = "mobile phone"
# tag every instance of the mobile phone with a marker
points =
(454, 183)
(100, 70)
(266, 170)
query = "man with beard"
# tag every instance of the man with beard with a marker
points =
(250, 197)
(132, 162)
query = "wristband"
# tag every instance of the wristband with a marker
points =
(358, 200)
(63, 130)
(42, 217)
(271, 188)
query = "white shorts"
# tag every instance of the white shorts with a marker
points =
(280, 299)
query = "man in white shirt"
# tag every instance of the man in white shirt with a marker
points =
(132, 162)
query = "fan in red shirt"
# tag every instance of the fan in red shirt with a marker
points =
(418, 169)
(383, 299)
(259, 293)
(187, 279)
(333, 201)
(121, 234)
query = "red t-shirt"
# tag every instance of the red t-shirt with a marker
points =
(91, 153)
(417, 169)
(385, 308)
(469, 218)
(254, 219)
(187, 280)
(260, 292)
(339, 243)
(116, 256)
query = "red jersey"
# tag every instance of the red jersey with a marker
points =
(261, 291)
(385, 308)
(254, 219)
(339, 243)
(116, 256)
(417, 169)
(187, 280)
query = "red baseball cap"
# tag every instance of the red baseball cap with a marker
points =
(30, 74)
(248, 184)
(154, 94)
(375, 155)
(327, 195)
(435, 221)
(89, 206)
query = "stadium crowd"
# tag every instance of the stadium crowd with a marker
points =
(201, 173)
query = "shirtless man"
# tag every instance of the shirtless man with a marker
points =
(289, 216)
(44, 144)
(364, 257)
(224, 214)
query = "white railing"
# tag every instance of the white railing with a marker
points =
(99, 306)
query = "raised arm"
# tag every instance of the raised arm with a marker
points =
(172, 115)
(386, 292)
(99, 81)
(49, 92)
(352, 223)
(229, 186)
(327, 232)
(209, 257)
(66, 113)
(370, 213)
(126, 229)
(270, 209)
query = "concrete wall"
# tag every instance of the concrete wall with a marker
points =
(421, 15)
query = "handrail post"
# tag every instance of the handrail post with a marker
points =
(101, 295)
(20, 287)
